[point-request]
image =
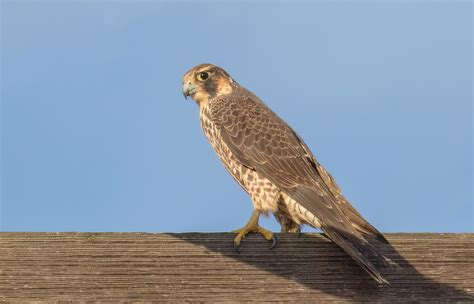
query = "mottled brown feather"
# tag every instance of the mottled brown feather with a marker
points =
(260, 140)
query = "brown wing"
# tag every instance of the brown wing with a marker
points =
(262, 141)
(357, 221)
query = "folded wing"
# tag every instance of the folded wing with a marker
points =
(260, 140)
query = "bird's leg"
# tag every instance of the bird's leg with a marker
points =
(288, 225)
(252, 226)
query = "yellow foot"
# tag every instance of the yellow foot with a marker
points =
(255, 228)
(296, 230)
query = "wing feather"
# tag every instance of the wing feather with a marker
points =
(260, 140)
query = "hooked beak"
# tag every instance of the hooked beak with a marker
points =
(189, 89)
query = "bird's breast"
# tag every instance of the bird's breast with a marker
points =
(263, 192)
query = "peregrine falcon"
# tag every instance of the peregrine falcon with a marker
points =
(276, 168)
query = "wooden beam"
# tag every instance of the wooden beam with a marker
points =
(205, 267)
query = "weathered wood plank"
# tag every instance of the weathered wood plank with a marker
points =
(200, 267)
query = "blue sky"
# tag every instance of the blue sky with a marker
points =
(96, 135)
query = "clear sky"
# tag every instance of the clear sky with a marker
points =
(96, 135)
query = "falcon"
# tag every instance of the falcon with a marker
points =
(272, 163)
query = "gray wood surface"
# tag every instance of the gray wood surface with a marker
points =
(204, 267)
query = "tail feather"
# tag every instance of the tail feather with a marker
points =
(371, 232)
(340, 228)
(359, 249)
(358, 221)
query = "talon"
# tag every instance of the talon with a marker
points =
(252, 226)
(237, 240)
(236, 248)
(274, 241)
(295, 230)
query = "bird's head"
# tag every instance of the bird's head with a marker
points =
(206, 81)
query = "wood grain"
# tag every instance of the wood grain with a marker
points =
(204, 267)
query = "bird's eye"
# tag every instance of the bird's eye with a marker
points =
(203, 76)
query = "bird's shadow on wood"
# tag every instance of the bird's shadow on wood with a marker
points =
(318, 264)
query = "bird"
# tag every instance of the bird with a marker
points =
(272, 163)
